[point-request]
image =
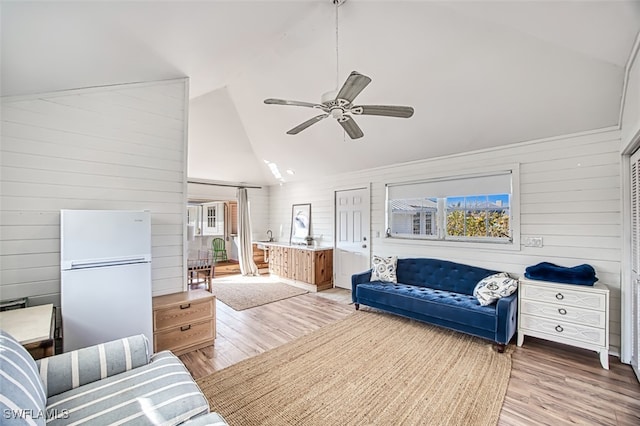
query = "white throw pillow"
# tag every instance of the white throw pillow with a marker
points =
(494, 287)
(384, 269)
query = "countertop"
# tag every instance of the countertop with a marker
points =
(28, 325)
(296, 246)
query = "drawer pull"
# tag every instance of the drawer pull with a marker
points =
(562, 311)
(187, 306)
(559, 329)
(185, 327)
(559, 296)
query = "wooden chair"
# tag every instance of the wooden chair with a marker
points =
(201, 268)
(219, 250)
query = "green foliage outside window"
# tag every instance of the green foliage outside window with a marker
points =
(478, 223)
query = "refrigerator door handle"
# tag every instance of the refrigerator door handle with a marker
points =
(83, 264)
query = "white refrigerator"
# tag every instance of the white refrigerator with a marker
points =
(105, 260)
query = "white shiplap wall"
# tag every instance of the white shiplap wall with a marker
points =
(117, 147)
(569, 192)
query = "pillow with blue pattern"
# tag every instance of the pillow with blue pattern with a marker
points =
(494, 287)
(384, 269)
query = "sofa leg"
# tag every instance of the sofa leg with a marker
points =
(500, 347)
(357, 305)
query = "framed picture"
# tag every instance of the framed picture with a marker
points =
(300, 223)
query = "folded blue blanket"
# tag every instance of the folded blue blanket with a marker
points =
(545, 271)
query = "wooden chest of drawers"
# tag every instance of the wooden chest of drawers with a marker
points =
(183, 322)
(564, 313)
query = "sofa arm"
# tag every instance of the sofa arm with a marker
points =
(70, 370)
(361, 278)
(507, 316)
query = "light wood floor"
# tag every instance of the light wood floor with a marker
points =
(550, 384)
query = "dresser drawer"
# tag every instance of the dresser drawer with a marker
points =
(565, 296)
(184, 313)
(184, 336)
(563, 332)
(564, 313)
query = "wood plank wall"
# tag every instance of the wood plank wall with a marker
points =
(570, 195)
(116, 147)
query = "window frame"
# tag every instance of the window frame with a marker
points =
(440, 239)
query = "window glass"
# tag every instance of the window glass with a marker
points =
(452, 209)
(478, 216)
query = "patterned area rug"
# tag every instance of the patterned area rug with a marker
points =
(370, 368)
(242, 293)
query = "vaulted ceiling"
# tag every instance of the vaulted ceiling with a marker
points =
(478, 73)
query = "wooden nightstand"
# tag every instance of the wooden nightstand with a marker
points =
(183, 322)
(33, 327)
(575, 315)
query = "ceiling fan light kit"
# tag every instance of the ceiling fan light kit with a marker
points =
(340, 105)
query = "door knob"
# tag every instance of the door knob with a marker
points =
(364, 246)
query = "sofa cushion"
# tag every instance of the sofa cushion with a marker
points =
(441, 274)
(161, 392)
(450, 306)
(495, 287)
(22, 394)
(69, 370)
(384, 269)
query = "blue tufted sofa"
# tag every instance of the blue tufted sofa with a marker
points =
(441, 293)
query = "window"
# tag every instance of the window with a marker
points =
(471, 208)
(211, 216)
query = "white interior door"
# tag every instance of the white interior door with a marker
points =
(353, 232)
(635, 260)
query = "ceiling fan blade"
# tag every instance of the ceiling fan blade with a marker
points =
(385, 110)
(351, 88)
(272, 101)
(351, 127)
(306, 124)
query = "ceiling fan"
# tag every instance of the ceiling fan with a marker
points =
(341, 107)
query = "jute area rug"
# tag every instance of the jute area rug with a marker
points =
(369, 368)
(242, 293)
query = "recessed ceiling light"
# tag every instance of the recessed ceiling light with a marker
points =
(291, 172)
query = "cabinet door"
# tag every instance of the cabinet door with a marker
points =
(213, 219)
(302, 265)
(275, 260)
(194, 218)
(323, 267)
(285, 265)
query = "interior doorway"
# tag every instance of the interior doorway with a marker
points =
(353, 234)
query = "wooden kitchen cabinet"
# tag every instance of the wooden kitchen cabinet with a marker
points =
(305, 265)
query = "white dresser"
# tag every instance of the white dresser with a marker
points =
(576, 315)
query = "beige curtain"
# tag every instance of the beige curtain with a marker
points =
(245, 249)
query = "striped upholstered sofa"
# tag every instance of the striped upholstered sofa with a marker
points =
(117, 382)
